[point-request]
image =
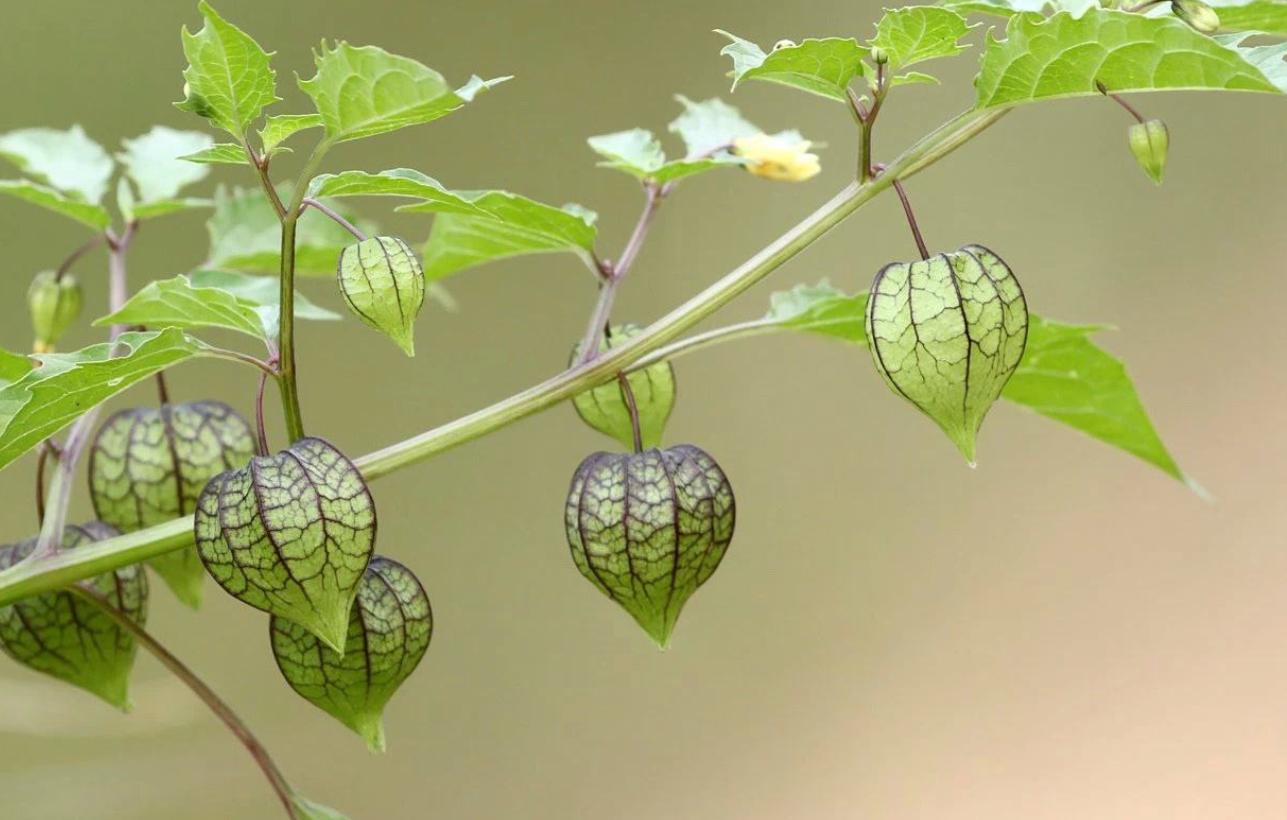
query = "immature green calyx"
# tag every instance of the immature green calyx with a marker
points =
(148, 465)
(946, 333)
(1150, 142)
(383, 284)
(69, 637)
(291, 534)
(604, 408)
(649, 528)
(389, 630)
(54, 304)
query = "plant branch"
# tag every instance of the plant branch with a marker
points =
(245, 358)
(1120, 100)
(911, 220)
(696, 342)
(261, 171)
(309, 202)
(31, 578)
(628, 394)
(76, 255)
(199, 687)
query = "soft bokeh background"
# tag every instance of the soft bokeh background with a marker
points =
(1063, 633)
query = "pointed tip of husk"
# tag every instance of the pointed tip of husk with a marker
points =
(371, 729)
(407, 345)
(333, 632)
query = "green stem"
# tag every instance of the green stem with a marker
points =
(30, 578)
(692, 344)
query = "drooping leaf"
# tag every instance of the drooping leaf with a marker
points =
(1065, 56)
(225, 153)
(917, 33)
(1064, 376)
(230, 79)
(67, 160)
(66, 385)
(389, 630)
(821, 309)
(147, 465)
(946, 333)
(278, 129)
(178, 303)
(69, 637)
(647, 529)
(604, 408)
(95, 216)
(291, 534)
(153, 162)
(383, 284)
(823, 67)
(363, 91)
(245, 234)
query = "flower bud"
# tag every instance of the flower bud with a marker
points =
(54, 304)
(946, 333)
(383, 283)
(781, 44)
(66, 636)
(1197, 14)
(649, 528)
(785, 158)
(291, 534)
(148, 465)
(879, 56)
(604, 408)
(1149, 142)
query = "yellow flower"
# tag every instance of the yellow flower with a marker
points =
(774, 157)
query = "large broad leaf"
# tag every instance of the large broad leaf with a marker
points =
(1269, 16)
(821, 309)
(822, 67)
(229, 77)
(13, 367)
(1065, 56)
(153, 162)
(68, 160)
(245, 234)
(364, 91)
(1065, 377)
(473, 226)
(917, 33)
(65, 385)
(264, 291)
(177, 303)
(95, 216)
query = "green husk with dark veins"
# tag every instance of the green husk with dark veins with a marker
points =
(384, 285)
(389, 630)
(291, 534)
(649, 528)
(148, 465)
(946, 333)
(69, 637)
(604, 408)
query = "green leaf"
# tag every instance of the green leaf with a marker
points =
(918, 33)
(67, 160)
(147, 466)
(821, 309)
(308, 810)
(638, 153)
(389, 630)
(1065, 377)
(264, 291)
(229, 77)
(363, 91)
(95, 216)
(1268, 16)
(822, 67)
(163, 207)
(604, 408)
(66, 385)
(245, 234)
(13, 367)
(177, 303)
(473, 226)
(225, 153)
(154, 162)
(383, 284)
(278, 129)
(291, 534)
(69, 637)
(1064, 56)
(710, 125)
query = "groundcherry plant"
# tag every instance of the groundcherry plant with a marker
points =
(193, 488)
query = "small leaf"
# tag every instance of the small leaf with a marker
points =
(229, 77)
(177, 303)
(291, 534)
(647, 529)
(822, 67)
(363, 91)
(67, 160)
(95, 216)
(225, 153)
(918, 33)
(1065, 377)
(604, 408)
(638, 153)
(278, 129)
(821, 309)
(1065, 56)
(946, 333)
(153, 162)
(308, 810)
(383, 284)
(245, 234)
(710, 125)
(147, 466)
(70, 638)
(66, 385)
(389, 630)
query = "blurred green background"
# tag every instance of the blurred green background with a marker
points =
(1062, 633)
